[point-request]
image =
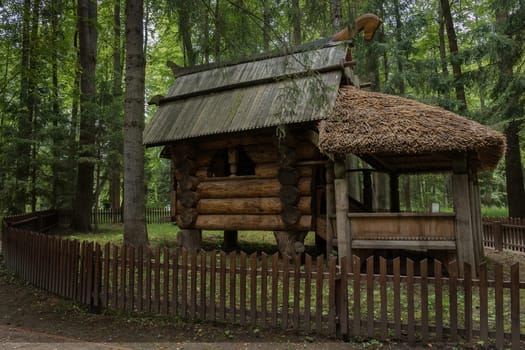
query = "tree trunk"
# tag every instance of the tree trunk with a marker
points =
(135, 232)
(266, 26)
(442, 47)
(514, 171)
(295, 18)
(190, 56)
(512, 112)
(336, 14)
(116, 147)
(217, 21)
(87, 18)
(24, 117)
(454, 53)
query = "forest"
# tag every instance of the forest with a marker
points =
(466, 56)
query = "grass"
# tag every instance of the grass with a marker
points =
(494, 211)
(165, 236)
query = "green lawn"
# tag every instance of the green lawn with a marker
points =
(165, 235)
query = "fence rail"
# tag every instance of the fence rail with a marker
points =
(153, 215)
(398, 299)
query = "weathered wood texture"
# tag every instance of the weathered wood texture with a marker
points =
(246, 290)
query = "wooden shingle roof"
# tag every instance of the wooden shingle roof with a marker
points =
(295, 88)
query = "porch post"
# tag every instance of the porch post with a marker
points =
(466, 204)
(344, 236)
(394, 192)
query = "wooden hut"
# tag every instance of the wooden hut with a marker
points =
(261, 145)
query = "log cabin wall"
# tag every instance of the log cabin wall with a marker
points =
(215, 192)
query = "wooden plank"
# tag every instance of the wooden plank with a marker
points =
(203, 287)
(147, 285)
(123, 270)
(483, 304)
(184, 284)
(307, 292)
(397, 297)
(156, 281)
(213, 286)
(132, 276)
(370, 304)
(383, 296)
(498, 301)
(264, 290)
(253, 289)
(114, 276)
(331, 229)
(96, 276)
(233, 286)
(342, 300)
(357, 296)
(286, 292)
(332, 327)
(467, 295)
(88, 294)
(106, 269)
(165, 281)
(242, 292)
(140, 279)
(319, 278)
(193, 285)
(296, 291)
(175, 283)
(275, 284)
(453, 299)
(423, 268)
(411, 327)
(438, 296)
(515, 305)
(222, 279)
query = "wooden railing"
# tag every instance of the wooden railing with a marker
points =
(398, 299)
(507, 234)
(153, 215)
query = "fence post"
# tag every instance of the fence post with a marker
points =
(498, 235)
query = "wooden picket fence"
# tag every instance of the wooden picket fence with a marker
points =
(508, 234)
(398, 299)
(153, 215)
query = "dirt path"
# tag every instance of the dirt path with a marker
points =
(33, 319)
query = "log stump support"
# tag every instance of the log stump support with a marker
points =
(290, 243)
(344, 235)
(186, 166)
(189, 239)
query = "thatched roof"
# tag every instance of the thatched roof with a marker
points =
(381, 126)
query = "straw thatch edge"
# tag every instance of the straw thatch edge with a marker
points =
(368, 123)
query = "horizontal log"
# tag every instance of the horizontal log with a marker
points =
(217, 143)
(187, 217)
(188, 182)
(306, 151)
(262, 153)
(247, 188)
(271, 170)
(288, 176)
(250, 222)
(188, 199)
(290, 214)
(265, 205)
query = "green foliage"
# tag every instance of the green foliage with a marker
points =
(405, 58)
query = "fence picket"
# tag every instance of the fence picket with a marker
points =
(423, 268)
(104, 276)
(357, 296)
(498, 290)
(515, 305)
(383, 296)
